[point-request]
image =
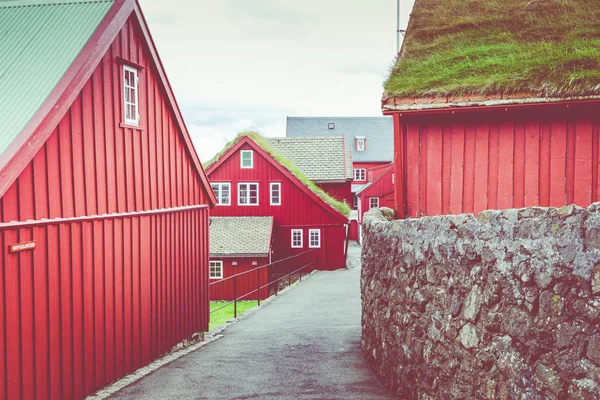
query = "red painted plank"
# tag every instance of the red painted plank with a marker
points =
(89, 152)
(50, 298)
(519, 166)
(412, 170)
(434, 170)
(64, 169)
(174, 183)
(583, 163)
(160, 170)
(109, 282)
(128, 295)
(99, 303)
(558, 164)
(532, 163)
(469, 168)
(545, 146)
(99, 145)
(53, 175)
(3, 319)
(152, 162)
(457, 169)
(13, 311)
(135, 282)
(493, 165)
(137, 170)
(595, 161)
(145, 293)
(422, 172)
(130, 170)
(77, 247)
(446, 157)
(40, 181)
(506, 165)
(110, 86)
(77, 154)
(89, 329)
(480, 202)
(27, 314)
(67, 328)
(120, 365)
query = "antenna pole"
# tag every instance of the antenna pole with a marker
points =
(398, 26)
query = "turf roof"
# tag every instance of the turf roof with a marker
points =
(548, 48)
(341, 207)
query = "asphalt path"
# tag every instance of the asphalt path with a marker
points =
(303, 345)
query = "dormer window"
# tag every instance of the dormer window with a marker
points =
(130, 98)
(331, 125)
(247, 159)
(361, 143)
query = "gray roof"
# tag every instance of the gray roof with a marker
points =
(319, 158)
(358, 187)
(379, 132)
(249, 236)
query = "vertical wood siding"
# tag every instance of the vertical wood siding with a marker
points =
(245, 284)
(97, 299)
(297, 209)
(383, 189)
(339, 191)
(469, 163)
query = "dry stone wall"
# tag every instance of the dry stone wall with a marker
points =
(503, 305)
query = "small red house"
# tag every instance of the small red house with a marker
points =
(378, 193)
(103, 201)
(324, 160)
(240, 245)
(251, 179)
(495, 133)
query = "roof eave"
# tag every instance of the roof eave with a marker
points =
(239, 255)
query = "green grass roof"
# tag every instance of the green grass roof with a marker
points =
(341, 207)
(548, 48)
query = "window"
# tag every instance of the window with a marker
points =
(355, 201)
(314, 238)
(248, 194)
(393, 178)
(216, 269)
(360, 174)
(247, 159)
(331, 125)
(296, 238)
(361, 143)
(130, 98)
(275, 194)
(222, 192)
(373, 202)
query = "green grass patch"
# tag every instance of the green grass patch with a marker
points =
(226, 313)
(458, 47)
(341, 207)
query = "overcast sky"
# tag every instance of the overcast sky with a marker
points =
(239, 64)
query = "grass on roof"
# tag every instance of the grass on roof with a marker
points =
(341, 207)
(457, 47)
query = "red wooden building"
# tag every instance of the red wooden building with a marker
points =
(251, 181)
(240, 245)
(530, 138)
(101, 186)
(377, 193)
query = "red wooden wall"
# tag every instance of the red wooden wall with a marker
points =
(245, 284)
(382, 188)
(339, 191)
(471, 161)
(101, 296)
(298, 210)
(374, 169)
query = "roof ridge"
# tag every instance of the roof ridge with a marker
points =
(41, 3)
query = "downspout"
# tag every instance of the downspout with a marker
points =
(347, 241)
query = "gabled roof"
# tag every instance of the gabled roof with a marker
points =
(372, 184)
(336, 208)
(240, 236)
(48, 51)
(456, 51)
(319, 158)
(379, 132)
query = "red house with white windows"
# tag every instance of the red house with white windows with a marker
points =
(377, 193)
(250, 180)
(103, 201)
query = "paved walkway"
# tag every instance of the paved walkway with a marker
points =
(303, 345)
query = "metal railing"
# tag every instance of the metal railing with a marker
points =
(274, 276)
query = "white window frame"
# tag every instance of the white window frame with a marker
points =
(219, 191)
(360, 143)
(248, 190)
(271, 186)
(310, 238)
(215, 263)
(136, 104)
(301, 237)
(251, 152)
(371, 202)
(360, 174)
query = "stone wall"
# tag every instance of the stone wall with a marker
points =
(503, 305)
